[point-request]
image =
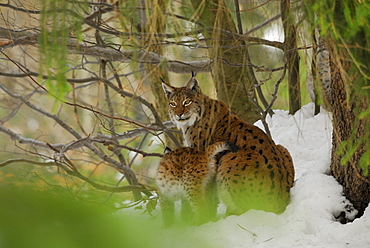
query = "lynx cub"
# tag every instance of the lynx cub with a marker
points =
(259, 175)
(187, 174)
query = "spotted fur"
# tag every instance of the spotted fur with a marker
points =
(248, 179)
(259, 175)
(187, 174)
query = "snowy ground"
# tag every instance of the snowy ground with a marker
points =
(308, 220)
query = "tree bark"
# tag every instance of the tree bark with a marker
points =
(292, 58)
(155, 73)
(345, 42)
(234, 84)
(155, 23)
(348, 129)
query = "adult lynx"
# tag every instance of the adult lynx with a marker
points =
(260, 169)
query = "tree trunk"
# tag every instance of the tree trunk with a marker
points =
(292, 57)
(152, 24)
(234, 78)
(348, 133)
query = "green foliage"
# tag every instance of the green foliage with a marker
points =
(345, 18)
(49, 219)
(59, 20)
(30, 218)
(347, 23)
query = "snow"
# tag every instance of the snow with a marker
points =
(308, 221)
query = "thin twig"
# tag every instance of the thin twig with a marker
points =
(113, 143)
(274, 95)
(111, 110)
(20, 68)
(263, 24)
(28, 161)
(238, 19)
(76, 174)
(77, 144)
(109, 116)
(41, 111)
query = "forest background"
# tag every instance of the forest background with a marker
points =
(82, 108)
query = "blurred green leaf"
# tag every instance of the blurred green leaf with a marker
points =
(59, 20)
(51, 219)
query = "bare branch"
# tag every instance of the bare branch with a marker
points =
(30, 11)
(15, 34)
(268, 109)
(81, 142)
(117, 165)
(126, 188)
(76, 173)
(113, 42)
(33, 80)
(109, 116)
(28, 161)
(41, 111)
(277, 84)
(140, 56)
(23, 140)
(261, 25)
(239, 21)
(113, 143)
(258, 68)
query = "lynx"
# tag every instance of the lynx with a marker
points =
(247, 179)
(187, 174)
(259, 175)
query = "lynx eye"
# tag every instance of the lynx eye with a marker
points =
(173, 104)
(187, 102)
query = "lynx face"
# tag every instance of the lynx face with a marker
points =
(185, 103)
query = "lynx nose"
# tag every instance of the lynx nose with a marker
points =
(181, 117)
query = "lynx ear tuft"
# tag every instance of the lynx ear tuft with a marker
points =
(193, 74)
(193, 85)
(167, 150)
(168, 90)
